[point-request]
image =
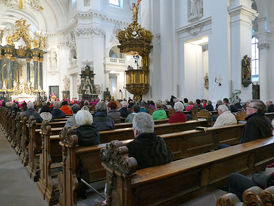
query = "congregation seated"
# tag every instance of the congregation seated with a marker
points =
(56, 112)
(124, 111)
(209, 106)
(71, 122)
(179, 115)
(270, 106)
(45, 113)
(159, 113)
(238, 183)
(65, 108)
(225, 117)
(87, 133)
(101, 121)
(113, 112)
(199, 105)
(147, 148)
(135, 109)
(31, 112)
(185, 102)
(257, 125)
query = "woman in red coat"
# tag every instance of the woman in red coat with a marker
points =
(179, 115)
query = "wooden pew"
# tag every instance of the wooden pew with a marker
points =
(270, 115)
(128, 124)
(182, 144)
(35, 142)
(181, 180)
(252, 196)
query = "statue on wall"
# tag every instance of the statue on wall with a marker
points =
(53, 59)
(66, 83)
(195, 9)
(206, 85)
(246, 71)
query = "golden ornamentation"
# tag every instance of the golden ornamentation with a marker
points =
(206, 84)
(21, 51)
(135, 40)
(246, 71)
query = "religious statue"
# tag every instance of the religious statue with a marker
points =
(134, 10)
(206, 85)
(246, 71)
(195, 9)
(53, 59)
(66, 83)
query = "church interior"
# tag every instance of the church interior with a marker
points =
(77, 76)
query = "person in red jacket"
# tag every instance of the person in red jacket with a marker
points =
(179, 115)
(65, 108)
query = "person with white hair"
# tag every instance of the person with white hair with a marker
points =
(101, 120)
(86, 132)
(31, 112)
(179, 115)
(147, 148)
(225, 117)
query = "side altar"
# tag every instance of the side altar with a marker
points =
(21, 64)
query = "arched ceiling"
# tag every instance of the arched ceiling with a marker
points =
(50, 19)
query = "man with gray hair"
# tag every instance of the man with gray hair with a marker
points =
(147, 148)
(225, 117)
(257, 125)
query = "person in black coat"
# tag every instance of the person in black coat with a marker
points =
(257, 125)
(56, 112)
(270, 106)
(87, 133)
(101, 121)
(147, 148)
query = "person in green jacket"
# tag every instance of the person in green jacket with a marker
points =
(160, 113)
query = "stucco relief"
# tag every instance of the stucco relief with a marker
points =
(195, 9)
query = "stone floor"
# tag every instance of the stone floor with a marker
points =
(16, 187)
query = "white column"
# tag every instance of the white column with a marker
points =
(241, 17)
(166, 30)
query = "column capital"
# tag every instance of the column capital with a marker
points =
(28, 60)
(263, 45)
(8, 56)
(35, 58)
(41, 60)
(13, 59)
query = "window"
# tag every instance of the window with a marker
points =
(254, 60)
(117, 3)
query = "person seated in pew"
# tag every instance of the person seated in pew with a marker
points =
(270, 106)
(101, 121)
(87, 133)
(45, 113)
(113, 112)
(124, 111)
(130, 117)
(147, 148)
(71, 122)
(209, 106)
(56, 112)
(32, 112)
(159, 113)
(257, 125)
(225, 117)
(179, 115)
(65, 108)
(238, 183)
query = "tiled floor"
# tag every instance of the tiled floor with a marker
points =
(16, 187)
